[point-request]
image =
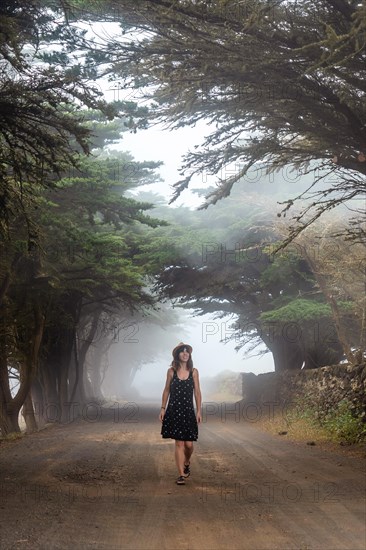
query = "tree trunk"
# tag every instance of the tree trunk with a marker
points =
(4, 287)
(80, 353)
(8, 415)
(62, 358)
(333, 306)
(286, 355)
(38, 401)
(95, 372)
(50, 397)
(28, 414)
(85, 385)
(9, 422)
(30, 368)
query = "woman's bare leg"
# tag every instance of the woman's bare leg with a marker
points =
(179, 456)
(188, 450)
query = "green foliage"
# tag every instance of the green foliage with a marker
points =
(342, 423)
(13, 436)
(88, 237)
(222, 261)
(280, 82)
(285, 265)
(76, 246)
(301, 310)
(42, 132)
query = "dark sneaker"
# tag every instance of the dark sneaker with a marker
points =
(187, 470)
(180, 480)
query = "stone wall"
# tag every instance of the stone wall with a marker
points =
(321, 388)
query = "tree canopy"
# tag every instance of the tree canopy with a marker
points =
(281, 87)
(298, 303)
(72, 253)
(280, 83)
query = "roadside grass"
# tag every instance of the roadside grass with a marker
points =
(302, 422)
(298, 429)
(12, 436)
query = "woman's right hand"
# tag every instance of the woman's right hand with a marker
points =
(161, 415)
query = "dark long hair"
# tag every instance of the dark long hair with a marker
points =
(176, 363)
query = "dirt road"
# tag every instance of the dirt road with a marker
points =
(106, 481)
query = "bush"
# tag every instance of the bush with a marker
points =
(344, 425)
(341, 423)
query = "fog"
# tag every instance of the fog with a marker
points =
(148, 356)
(149, 353)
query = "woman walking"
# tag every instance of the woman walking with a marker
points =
(180, 422)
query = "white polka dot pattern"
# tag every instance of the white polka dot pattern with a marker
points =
(180, 419)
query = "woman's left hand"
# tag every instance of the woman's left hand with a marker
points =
(199, 418)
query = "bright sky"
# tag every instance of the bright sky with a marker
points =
(168, 146)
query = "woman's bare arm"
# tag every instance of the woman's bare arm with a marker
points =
(197, 394)
(166, 391)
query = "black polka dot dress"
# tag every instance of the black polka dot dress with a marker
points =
(180, 419)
